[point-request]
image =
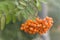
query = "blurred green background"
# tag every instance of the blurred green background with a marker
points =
(14, 12)
(54, 11)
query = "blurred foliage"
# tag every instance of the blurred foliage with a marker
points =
(15, 10)
(13, 13)
(54, 11)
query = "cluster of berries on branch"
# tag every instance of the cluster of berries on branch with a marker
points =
(39, 26)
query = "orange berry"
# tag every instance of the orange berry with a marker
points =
(28, 23)
(22, 28)
(22, 25)
(35, 30)
(31, 29)
(45, 29)
(44, 26)
(30, 32)
(26, 30)
(39, 25)
(26, 26)
(40, 33)
(37, 19)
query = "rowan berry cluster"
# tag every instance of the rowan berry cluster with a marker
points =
(39, 26)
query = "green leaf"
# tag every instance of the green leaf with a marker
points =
(14, 18)
(29, 9)
(8, 18)
(4, 7)
(2, 22)
(22, 3)
(0, 13)
(20, 7)
(19, 16)
(38, 4)
(25, 15)
(11, 6)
